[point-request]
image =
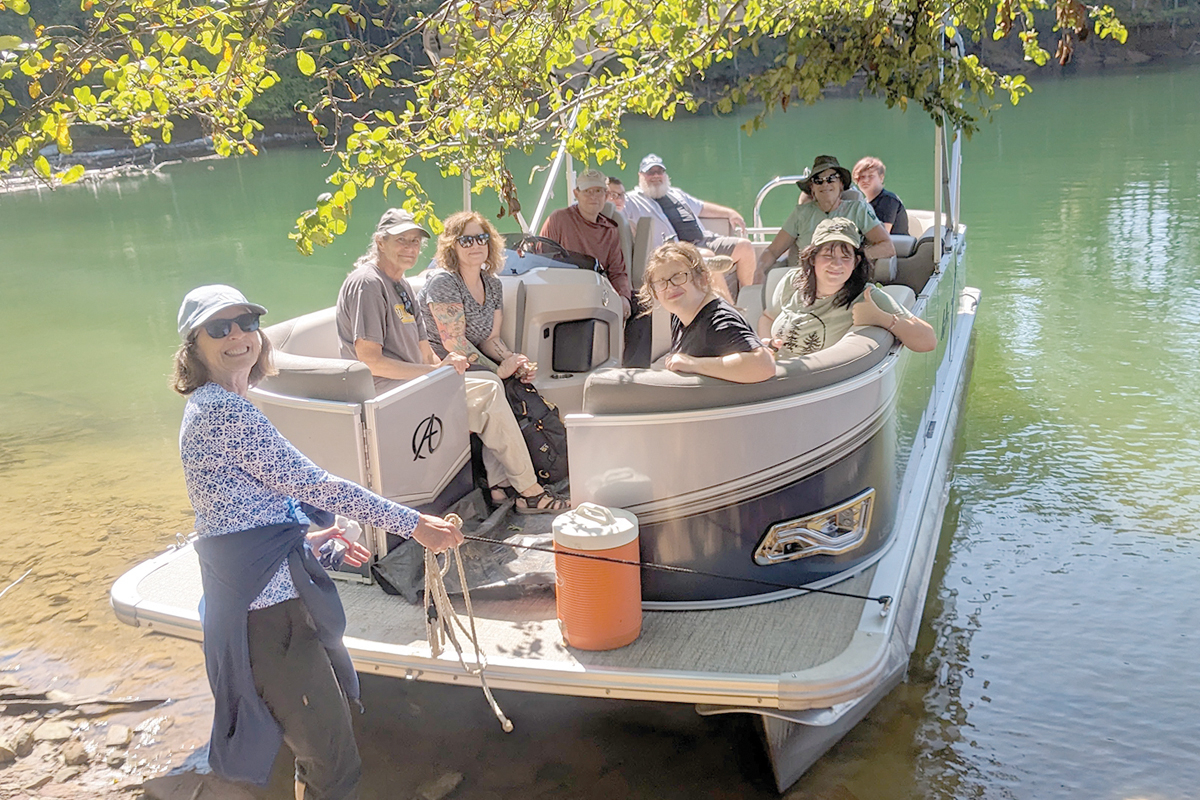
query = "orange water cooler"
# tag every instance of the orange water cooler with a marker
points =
(599, 603)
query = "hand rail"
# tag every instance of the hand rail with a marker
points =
(774, 183)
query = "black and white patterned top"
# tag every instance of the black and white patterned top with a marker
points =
(445, 286)
(241, 473)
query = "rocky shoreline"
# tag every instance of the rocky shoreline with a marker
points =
(54, 744)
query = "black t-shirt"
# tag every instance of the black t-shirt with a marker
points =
(717, 331)
(889, 209)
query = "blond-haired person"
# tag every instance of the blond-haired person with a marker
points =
(868, 174)
(708, 337)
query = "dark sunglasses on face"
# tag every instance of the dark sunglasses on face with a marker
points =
(678, 279)
(220, 328)
(826, 179)
(471, 241)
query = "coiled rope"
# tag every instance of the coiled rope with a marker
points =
(441, 619)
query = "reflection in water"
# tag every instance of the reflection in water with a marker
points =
(1063, 646)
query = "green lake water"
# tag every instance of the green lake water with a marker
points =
(1058, 652)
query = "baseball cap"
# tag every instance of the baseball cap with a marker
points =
(837, 229)
(396, 221)
(591, 179)
(649, 162)
(201, 303)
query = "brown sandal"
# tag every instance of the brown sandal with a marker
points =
(534, 504)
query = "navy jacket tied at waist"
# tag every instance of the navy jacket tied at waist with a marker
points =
(234, 569)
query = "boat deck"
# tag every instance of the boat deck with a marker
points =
(761, 640)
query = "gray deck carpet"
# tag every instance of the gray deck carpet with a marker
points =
(768, 639)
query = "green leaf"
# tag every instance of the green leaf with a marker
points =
(19, 6)
(305, 62)
(42, 167)
(9, 42)
(71, 175)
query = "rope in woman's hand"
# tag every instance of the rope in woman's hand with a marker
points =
(441, 618)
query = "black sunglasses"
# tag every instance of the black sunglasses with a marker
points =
(826, 179)
(220, 328)
(404, 299)
(471, 241)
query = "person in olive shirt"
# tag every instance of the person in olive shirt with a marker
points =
(708, 337)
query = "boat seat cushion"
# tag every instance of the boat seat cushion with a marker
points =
(313, 334)
(637, 391)
(336, 379)
(640, 391)
(307, 356)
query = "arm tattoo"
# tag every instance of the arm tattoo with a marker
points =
(452, 328)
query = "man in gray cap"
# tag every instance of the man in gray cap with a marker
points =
(676, 216)
(379, 324)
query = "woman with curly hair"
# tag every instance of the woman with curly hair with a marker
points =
(461, 308)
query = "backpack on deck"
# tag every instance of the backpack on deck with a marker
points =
(544, 432)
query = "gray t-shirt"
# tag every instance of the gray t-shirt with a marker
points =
(373, 307)
(444, 286)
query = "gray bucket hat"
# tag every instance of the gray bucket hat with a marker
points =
(837, 229)
(820, 164)
(201, 303)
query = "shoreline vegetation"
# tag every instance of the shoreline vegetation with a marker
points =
(106, 155)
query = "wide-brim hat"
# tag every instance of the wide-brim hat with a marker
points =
(396, 221)
(837, 229)
(202, 302)
(820, 164)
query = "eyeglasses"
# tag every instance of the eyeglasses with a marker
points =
(615, 195)
(220, 328)
(826, 179)
(678, 279)
(471, 241)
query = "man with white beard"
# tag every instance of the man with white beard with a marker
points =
(675, 215)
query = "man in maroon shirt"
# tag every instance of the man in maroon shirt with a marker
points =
(582, 228)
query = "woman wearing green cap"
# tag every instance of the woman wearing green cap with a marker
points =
(818, 302)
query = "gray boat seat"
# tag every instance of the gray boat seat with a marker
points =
(636, 391)
(905, 245)
(625, 231)
(407, 444)
(307, 357)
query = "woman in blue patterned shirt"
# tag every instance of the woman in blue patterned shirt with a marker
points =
(272, 620)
